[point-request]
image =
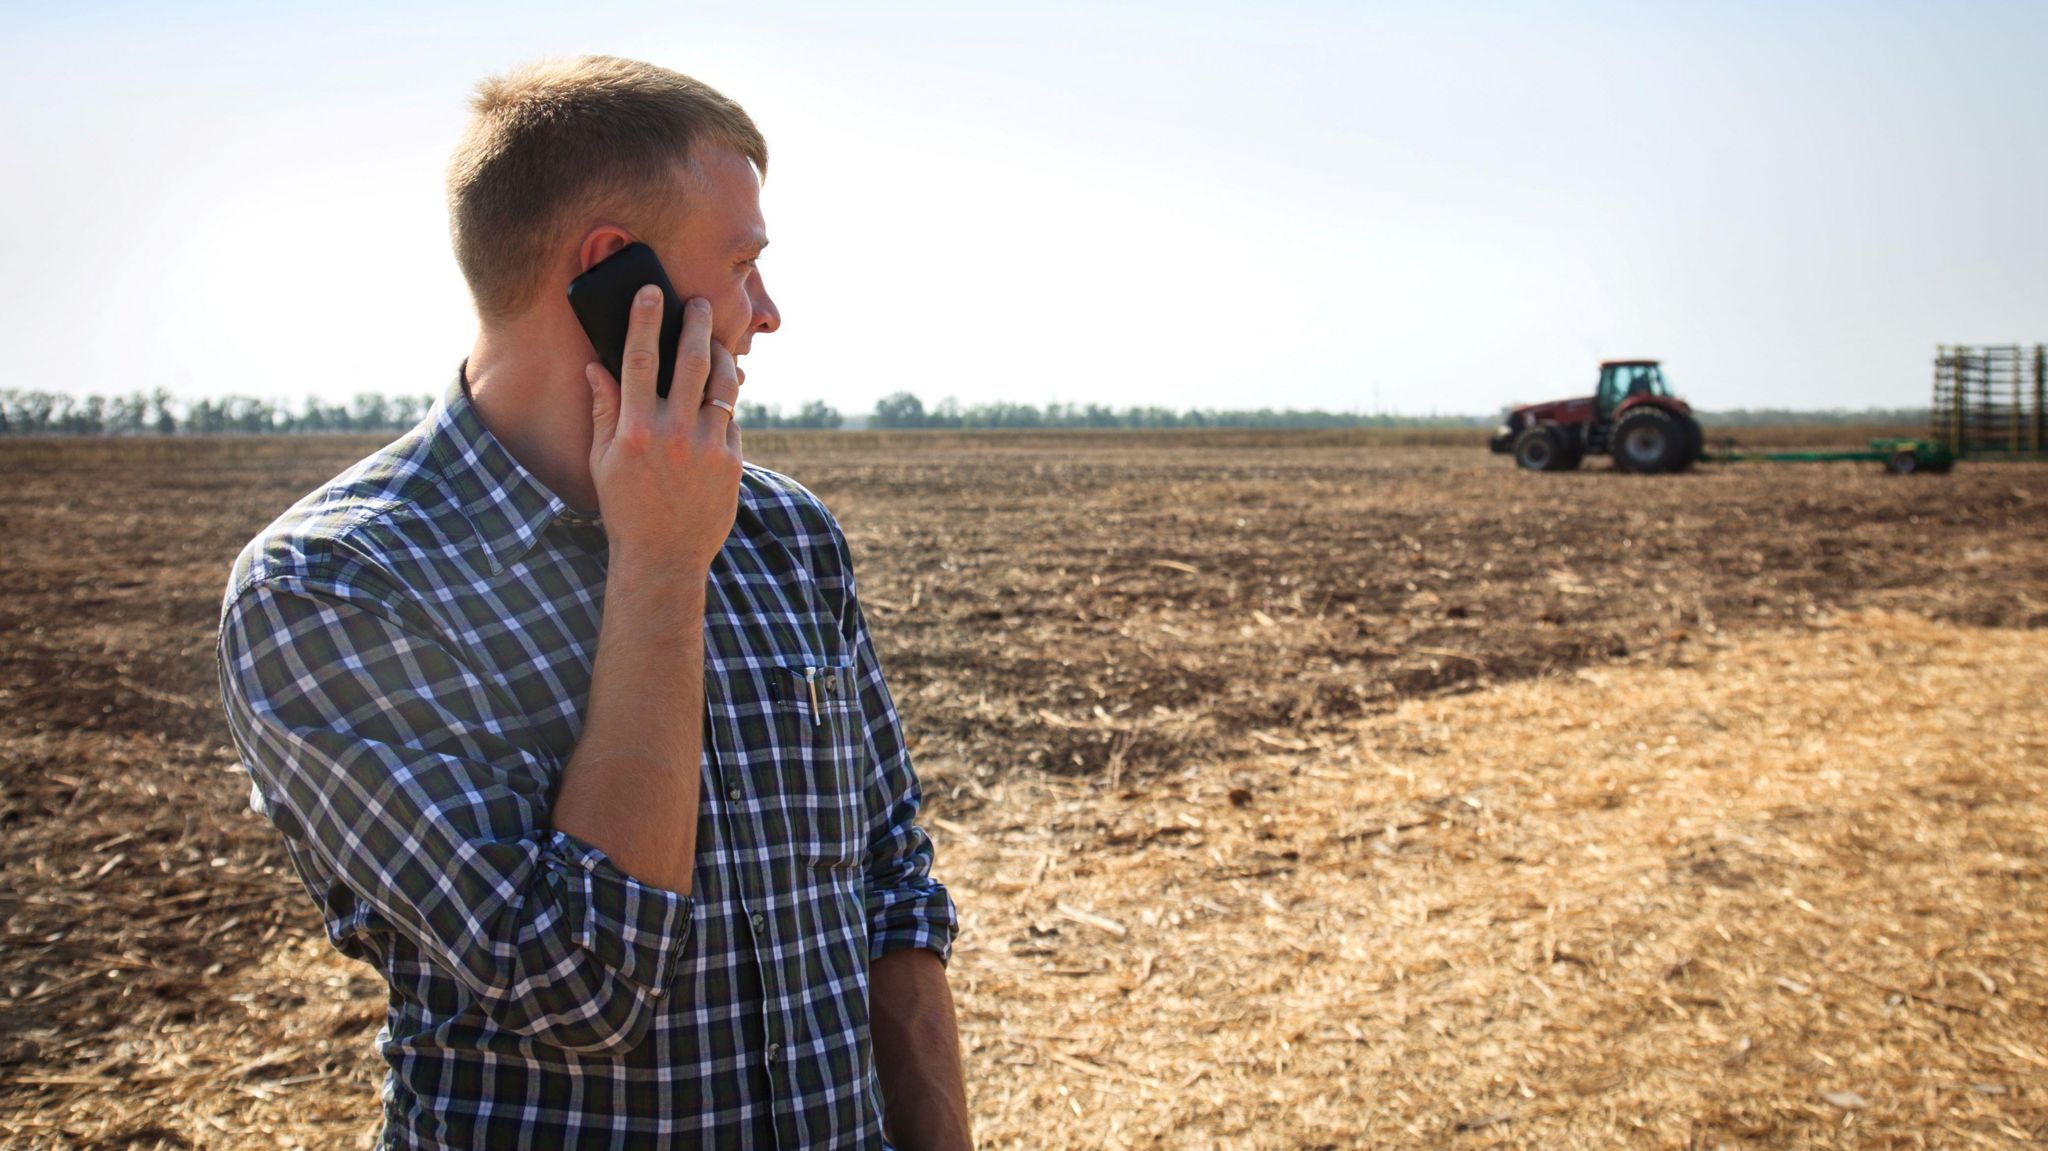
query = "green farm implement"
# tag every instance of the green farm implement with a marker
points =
(1990, 403)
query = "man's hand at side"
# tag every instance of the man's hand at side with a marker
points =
(667, 473)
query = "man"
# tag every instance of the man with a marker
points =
(570, 719)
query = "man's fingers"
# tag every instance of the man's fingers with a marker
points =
(640, 367)
(604, 407)
(693, 356)
(724, 382)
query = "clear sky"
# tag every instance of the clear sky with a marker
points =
(1420, 206)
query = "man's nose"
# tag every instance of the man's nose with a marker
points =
(767, 317)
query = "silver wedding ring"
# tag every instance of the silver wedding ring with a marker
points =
(726, 405)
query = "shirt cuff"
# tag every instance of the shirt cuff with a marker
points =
(634, 929)
(920, 915)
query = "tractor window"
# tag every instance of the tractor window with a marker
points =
(1613, 386)
(1642, 380)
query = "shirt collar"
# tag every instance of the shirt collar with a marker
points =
(506, 504)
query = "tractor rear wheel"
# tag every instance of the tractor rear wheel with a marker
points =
(1695, 442)
(1904, 462)
(1538, 449)
(1649, 440)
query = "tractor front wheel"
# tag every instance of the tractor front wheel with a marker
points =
(1652, 440)
(1539, 450)
(1904, 462)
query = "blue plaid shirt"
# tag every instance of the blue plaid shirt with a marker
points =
(405, 656)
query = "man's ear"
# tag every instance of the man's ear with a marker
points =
(598, 243)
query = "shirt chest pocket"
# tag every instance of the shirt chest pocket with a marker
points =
(819, 769)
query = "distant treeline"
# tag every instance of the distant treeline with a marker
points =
(904, 410)
(158, 413)
(816, 414)
(30, 413)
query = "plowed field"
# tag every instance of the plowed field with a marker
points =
(1300, 789)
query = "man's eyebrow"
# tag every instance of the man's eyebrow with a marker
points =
(751, 245)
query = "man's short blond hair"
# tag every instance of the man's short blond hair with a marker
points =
(555, 143)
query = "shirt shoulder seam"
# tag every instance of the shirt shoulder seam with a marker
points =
(331, 547)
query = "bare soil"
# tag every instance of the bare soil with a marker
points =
(1066, 619)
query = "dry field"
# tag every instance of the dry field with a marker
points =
(1298, 789)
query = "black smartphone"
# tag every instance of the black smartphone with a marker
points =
(602, 299)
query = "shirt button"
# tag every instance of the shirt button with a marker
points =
(774, 1049)
(733, 793)
(759, 922)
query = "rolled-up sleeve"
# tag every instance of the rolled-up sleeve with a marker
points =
(906, 906)
(394, 772)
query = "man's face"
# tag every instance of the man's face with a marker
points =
(715, 252)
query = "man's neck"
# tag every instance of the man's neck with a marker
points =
(531, 394)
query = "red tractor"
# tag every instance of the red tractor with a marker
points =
(1633, 417)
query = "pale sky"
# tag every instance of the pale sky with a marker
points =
(1450, 205)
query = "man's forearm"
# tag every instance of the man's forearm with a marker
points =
(632, 786)
(917, 1052)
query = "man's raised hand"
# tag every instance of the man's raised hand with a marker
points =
(667, 471)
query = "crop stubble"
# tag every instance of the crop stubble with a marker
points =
(1065, 617)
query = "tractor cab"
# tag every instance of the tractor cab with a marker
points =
(1622, 380)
